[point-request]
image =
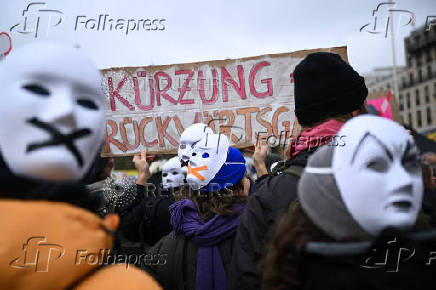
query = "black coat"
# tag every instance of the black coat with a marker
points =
(173, 261)
(271, 199)
(394, 261)
(147, 218)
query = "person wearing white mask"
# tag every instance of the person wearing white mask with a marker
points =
(205, 218)
(172, 175)
(357, 202)
(52, 121)
(147, 218)
(188, 139)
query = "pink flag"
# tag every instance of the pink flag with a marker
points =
(382, 105)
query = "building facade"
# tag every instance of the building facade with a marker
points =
(416, 81)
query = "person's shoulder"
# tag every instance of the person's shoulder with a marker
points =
(272, 192)
(272, 183)
(116, 276)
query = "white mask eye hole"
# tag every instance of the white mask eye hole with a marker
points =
(175, 173)
(89, 104)
(378, 165)
(205, 155)
(37, 89)
(194, 154)
(182, 146)
(164, 174)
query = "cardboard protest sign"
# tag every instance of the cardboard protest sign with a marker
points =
(149, 107)
(383, 104)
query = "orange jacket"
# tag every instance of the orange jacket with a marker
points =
(54, 245)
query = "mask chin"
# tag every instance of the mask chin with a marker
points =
(54, 164)
(401, 219)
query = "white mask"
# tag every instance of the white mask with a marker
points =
(207, 158)
(53, 111)
(172, 175)
(189, 137)
(378, 174)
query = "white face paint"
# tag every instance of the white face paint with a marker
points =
(188, 139)
(207, 158)
(172, 175)
(378, 173)
(52, 112)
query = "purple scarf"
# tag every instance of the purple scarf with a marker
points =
(206, 235)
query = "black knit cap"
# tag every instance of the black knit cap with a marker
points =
(326, 86)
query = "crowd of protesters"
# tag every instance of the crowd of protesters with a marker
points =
(354, 214)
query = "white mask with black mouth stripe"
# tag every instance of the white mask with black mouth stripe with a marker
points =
(378, 173)
(172, 175)
(52, 112)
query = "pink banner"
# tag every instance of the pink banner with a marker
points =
(383, 106)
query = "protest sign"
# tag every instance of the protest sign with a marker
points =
(149, 107)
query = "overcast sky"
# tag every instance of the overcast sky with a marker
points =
(208, 30)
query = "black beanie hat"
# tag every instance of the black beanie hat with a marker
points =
(326, 86)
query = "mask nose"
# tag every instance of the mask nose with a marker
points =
(403, 183)
(186, 154)
(60, 111)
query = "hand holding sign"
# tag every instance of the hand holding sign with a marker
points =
(259, 158)
(142, 166)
